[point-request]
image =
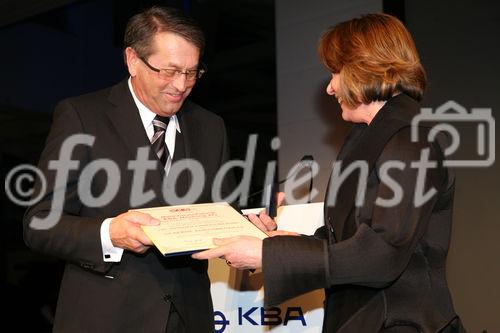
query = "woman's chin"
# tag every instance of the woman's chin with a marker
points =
(345, 116)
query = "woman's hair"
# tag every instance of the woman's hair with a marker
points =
(375, 57)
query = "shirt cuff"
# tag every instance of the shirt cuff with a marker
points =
(109, 252)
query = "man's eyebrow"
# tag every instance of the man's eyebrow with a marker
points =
(173, 65)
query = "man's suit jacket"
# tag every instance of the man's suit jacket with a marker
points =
(382, 268)
(136, 294)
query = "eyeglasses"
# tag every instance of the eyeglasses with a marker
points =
(170, 73)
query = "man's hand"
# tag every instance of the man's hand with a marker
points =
(125, 231)
(242, 252)
(263, 221)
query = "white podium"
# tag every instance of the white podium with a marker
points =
(238, 295)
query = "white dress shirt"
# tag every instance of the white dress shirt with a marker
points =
(111, 253)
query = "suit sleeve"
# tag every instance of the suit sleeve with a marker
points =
(375, 255)
(73, 238)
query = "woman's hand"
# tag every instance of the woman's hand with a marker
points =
(282, 233)
(242, 252)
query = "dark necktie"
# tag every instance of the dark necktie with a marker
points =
(158, 141)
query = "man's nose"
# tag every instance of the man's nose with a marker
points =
(179, 82)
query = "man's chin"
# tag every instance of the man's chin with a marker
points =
(170, 111)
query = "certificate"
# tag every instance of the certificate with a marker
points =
(187, 229)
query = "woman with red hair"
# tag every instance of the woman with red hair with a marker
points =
(381, 254)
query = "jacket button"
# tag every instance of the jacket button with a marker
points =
(167, 298)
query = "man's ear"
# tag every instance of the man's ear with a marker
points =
(132, 60)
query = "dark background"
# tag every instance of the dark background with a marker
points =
(53, 49)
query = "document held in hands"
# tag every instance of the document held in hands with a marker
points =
(187, 229)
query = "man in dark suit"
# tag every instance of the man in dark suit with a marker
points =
(114, 281)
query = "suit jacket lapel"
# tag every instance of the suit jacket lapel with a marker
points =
(194, 146)
(126, 119)
(188, 127)
(396, 114)
(183, 147)
(183, 116)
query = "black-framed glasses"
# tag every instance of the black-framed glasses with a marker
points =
(170, 73)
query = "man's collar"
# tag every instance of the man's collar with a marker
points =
(146, 114)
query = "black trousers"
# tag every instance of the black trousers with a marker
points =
(174, 323)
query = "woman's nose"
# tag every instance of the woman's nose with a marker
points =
(329, 88)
